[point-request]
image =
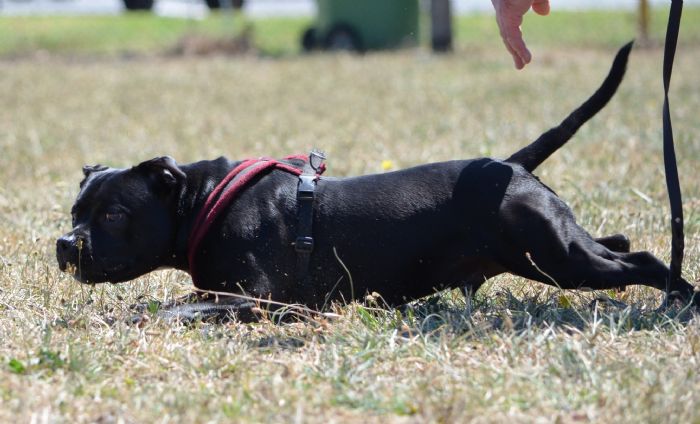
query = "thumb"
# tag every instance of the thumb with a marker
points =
(541, 7)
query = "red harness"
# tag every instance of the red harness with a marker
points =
(223, 194)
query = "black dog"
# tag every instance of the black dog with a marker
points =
(404, 234)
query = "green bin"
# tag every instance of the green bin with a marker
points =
(363, 25)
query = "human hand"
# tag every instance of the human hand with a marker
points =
(509, 15)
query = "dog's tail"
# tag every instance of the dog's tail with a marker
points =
(534, 154)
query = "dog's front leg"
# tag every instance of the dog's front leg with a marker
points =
(197, 306)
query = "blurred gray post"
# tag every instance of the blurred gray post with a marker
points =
(441, 25)
(227, 8)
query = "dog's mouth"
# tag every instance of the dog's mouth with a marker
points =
(113, 273)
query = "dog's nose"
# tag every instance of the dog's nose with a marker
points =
(64, 243)
(63, 247)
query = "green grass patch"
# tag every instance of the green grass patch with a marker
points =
(147, 33)
(136, 33)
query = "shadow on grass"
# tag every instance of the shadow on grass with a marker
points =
(492, 312)
(505, 312)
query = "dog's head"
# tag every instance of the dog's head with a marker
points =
(123, 222)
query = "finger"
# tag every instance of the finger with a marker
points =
(518, 46)
(513, 37)
(541, 7)
(506, 22)
(517, 60)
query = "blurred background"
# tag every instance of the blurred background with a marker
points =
(191, 8)
(270, 26)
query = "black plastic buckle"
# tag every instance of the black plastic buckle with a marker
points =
(307, 185)
(304, 244)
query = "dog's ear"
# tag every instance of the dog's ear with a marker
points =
(165, 170)
(89, 169)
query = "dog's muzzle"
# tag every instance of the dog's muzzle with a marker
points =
(67, 250)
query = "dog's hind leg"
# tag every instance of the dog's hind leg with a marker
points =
(592, 266)
(541, 240)
(615, 242)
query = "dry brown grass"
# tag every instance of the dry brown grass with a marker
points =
(520, 352)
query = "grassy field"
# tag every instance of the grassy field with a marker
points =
(521, 351)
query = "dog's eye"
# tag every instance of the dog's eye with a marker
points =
(114, 216)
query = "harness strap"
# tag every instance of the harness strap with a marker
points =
(234, 182)
(304, 243)
(672, 182)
